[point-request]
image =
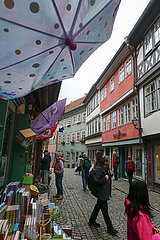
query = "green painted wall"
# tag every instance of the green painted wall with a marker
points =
(19, 153)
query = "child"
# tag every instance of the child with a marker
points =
(138, 210)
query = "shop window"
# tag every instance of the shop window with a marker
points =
(137, 158)
(157, 163)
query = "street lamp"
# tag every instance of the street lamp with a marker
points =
(135, 121)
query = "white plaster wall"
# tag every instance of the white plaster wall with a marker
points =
(93, 114)
(151, 123)
(93, 140)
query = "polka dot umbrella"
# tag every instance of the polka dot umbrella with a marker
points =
(45, 41)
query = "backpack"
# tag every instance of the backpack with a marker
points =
(130, 165)
(87, 164)
(92, 186)
(118, 160)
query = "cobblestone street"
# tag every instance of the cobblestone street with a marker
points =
(77, 206)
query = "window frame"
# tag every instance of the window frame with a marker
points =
(157, 29)
(127, 113)
(121, 73)
(112, 84)
(108, 122)
(148, 44)
(128, 64)
(120, 117)
(150, 95)
(114, 118)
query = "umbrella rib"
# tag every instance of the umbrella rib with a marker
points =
(59, 17)
(50, 65)
(92, 19)
(36, 30)
(30, 57)
(75, 18)
(74, 71)
(89, 42)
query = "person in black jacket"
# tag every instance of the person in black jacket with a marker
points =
(45, 166)
(102, 177)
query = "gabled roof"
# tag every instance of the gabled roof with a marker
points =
(75, 104)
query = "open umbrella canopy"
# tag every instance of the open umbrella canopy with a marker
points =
(42, 42)
(47, 119)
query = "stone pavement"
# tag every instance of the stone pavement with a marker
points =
(77, 206)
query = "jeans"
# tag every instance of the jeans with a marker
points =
(84, 178)
(59, 183)
(103, 206)
(130, 176)
(115, 169)
(44, 175)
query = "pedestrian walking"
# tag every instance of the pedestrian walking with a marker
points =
(45, 166)
(78, 169)
(59, 170)
(138, 210)
(85, 165)
(115, 165)
(130, 168)
(102, 177)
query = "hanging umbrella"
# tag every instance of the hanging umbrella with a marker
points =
(48, 119)
(42, 42)
(48, 132)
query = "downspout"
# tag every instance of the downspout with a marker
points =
(135, 88)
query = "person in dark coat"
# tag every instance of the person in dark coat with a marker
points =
(45, 166)
(102, 177)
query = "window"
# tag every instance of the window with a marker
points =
(103, 124)
(121, 74)
(111, 84)
(99, 125)
(73, 137)
(95, 123)
(127, 113)
(134, 108)
(69, 121)
(157, 31)
(150, 97)
(88, 130)
(78, 118)
(128, 68)
(64, 138)
(92, 127)
(59, 139)
(120, 116)
(68, 138)
(148, 42)
(83, 117)
(83, 134)
(113, 119)
(157, 163)
(158, 90)
(108, 122)
(64, 123)
(103, 93)
(73, 119)
(77, 136)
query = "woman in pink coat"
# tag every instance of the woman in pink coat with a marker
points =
(138, 210)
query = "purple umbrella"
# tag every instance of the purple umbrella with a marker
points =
(45, 41)
(48, 118)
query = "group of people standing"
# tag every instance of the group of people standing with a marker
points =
(137, 206)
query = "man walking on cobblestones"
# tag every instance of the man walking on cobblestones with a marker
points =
(102, 177)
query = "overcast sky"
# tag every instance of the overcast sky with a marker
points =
(128, 14)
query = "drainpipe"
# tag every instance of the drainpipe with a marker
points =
(135, 88)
